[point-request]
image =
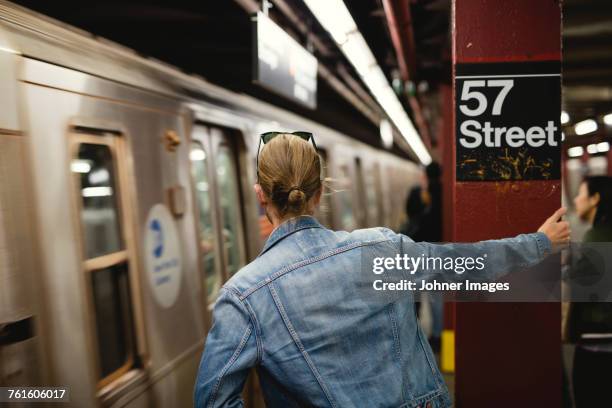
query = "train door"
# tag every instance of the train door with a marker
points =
(107, 249)
(230, 203)
(202, 174)
(388, 193)
(323, 212)
(397, 200)
(361, 211)
(118, 263)
(215, 172)
(22, 359)
(390, 207)
(344, 211)
(373, 196)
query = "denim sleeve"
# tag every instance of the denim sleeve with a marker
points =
(501, 256)
(229, 353)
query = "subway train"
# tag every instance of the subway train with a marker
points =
(125, 203)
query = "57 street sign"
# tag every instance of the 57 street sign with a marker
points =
(508, 121)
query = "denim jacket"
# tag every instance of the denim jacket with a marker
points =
(297, 316)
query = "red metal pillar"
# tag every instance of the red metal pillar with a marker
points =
(445, 139)
(507, 354)
(609, 157)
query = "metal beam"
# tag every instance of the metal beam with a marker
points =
(399, 20)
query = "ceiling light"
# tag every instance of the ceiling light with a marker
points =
(584, 127)
(603, 147)
(592, 148)
(575, 151)
(334, 17)
(564, 117)
(607, 119)
(337, 20)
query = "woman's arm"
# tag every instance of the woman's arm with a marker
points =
(487, 259)
(484, 260)
(230, 351)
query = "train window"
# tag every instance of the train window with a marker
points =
(229, 197)
(106, 257)
(199, 171)
(111, 304)
(99, 213)
(345, 200)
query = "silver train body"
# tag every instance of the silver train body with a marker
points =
(125, 202)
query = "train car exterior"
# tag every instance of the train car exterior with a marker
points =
(125, 203)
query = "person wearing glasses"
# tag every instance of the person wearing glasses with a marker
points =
(299, 312)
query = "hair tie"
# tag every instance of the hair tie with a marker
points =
(294, 188)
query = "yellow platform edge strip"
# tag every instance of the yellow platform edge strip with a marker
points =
(447, 351)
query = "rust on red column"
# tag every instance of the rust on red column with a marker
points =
(507, 354)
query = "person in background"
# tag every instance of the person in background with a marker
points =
(415, 212)
(424, 213)
(433, 225)
(590, 324)
(424, 208)
(433, 214)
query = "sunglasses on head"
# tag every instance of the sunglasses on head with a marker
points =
(266, 137)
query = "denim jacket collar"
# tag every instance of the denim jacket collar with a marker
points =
(288, 227)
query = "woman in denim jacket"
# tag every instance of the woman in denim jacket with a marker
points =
(304, 312)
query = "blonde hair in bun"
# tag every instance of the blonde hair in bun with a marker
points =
(289, 173)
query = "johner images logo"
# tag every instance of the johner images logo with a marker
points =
(158, 247)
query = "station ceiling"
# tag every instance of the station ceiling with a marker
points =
(213, 39)
(587, 58)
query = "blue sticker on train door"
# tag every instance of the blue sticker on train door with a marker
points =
(162, 255)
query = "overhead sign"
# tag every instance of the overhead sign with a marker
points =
(282, 65)
(162, 255)
(508, 121)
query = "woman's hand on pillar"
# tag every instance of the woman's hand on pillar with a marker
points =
(556, 229)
